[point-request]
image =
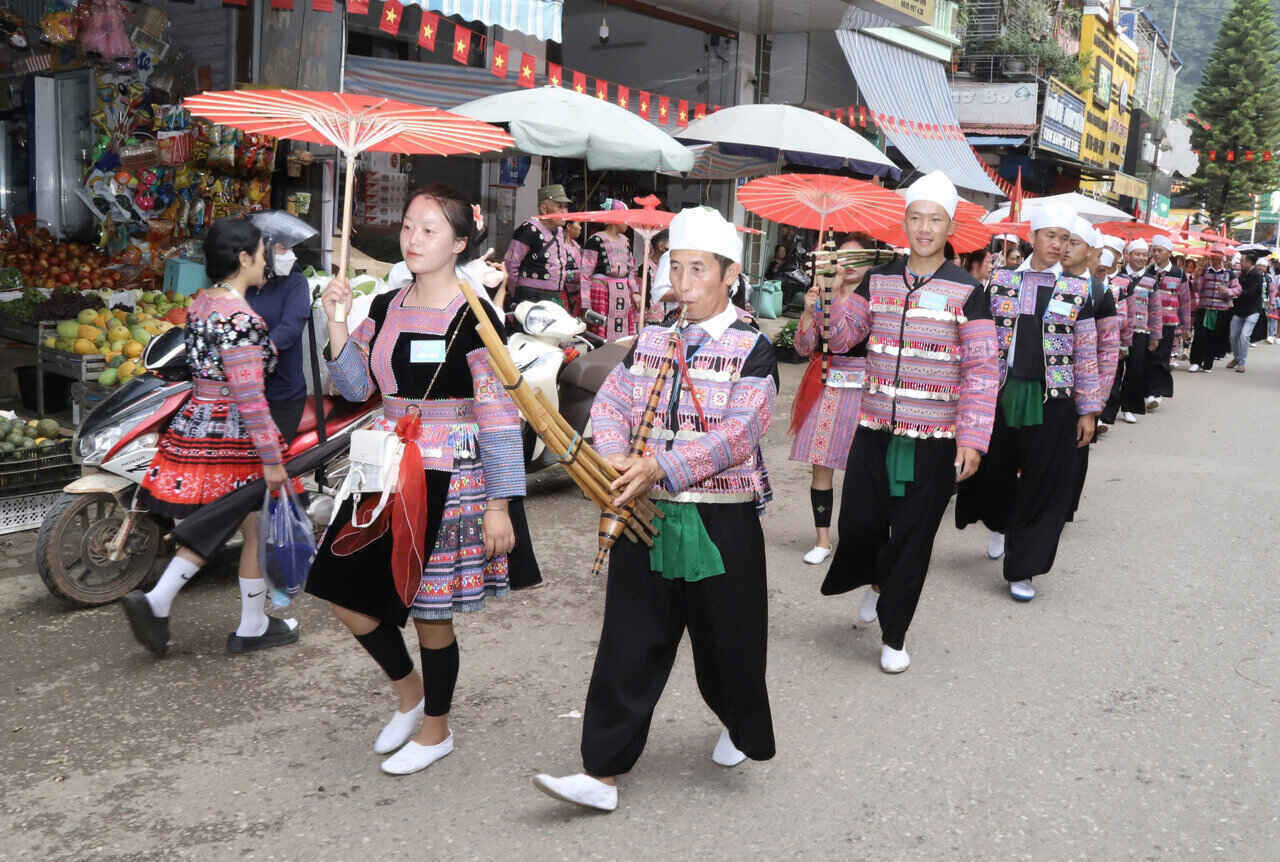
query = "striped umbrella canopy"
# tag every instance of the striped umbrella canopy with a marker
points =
(820, 201)
(353, 123)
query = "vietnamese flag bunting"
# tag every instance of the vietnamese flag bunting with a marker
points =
(644, 104)
(700, 111)
(602, 89)
(1266, 156)
(840, 116)
(284, 5)
(427, 30)
(579, 83)
(862, 116)
(664, 109)
(235, 2)
(1231, 155)
(1213, 155)
(321, 5)
(555, 74)
(461, 44)
(358, 7)
(682, 115)
(501, 57)
(1248, 155)
(392, 11)
(528, 69)
(624, 97)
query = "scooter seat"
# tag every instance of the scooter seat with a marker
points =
(590, 369)
(308, 422)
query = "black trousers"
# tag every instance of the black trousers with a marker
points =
(1112, 407)
(206, 535)
(1026, 486)
(1209, 345)
(888, 541)
(1081, 475)
(1159, 377)
(645, 616)
(1133, 395)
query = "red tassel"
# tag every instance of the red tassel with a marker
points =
(808, 394)
(409, 523)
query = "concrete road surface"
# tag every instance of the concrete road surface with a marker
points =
(1129, 712)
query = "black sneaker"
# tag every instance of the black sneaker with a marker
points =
(150, 630)
(277, 634)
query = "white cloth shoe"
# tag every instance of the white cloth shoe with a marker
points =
(579, 789)
(867, 610)
(415, 757)
(1195, 367)
(397, 731)
(726, 753)
(995, 546)
(817, 555)
(1152, 403)
(1129, 417)
(1103, 428)
(893, 660)
(1022, 591)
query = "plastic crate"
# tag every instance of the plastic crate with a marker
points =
(51, 467)
(25, 511)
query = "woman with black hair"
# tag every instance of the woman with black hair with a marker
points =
(979, 265)
(420, 349)
(221, 440)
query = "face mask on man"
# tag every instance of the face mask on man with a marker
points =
(284, 263)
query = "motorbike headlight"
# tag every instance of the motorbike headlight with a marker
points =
(538, 321)
(94, 447)
(144, 441)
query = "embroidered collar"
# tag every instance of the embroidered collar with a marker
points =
(718, 324)
(1025, 266)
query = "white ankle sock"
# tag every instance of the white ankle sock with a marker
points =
(253, 618)
(175, 577)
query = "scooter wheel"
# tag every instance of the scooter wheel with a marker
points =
(71, 550)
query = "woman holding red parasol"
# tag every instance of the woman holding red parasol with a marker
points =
(825, 415)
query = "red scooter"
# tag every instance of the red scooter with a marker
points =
(95, 544)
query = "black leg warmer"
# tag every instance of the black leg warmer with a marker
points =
(439, 676)
(386, 645)
(822, 502)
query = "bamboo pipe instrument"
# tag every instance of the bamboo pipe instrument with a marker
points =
(589, 471)
(828, 259)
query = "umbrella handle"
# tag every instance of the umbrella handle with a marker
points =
(344, 246)
(645, 287)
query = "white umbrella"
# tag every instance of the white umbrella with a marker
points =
(795, 134)
(1089, 209)
(556, 121)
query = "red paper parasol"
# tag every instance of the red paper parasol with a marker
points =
(352, 123)
(822, 202)
(819, 201)
(1130, 230)
(648, 221)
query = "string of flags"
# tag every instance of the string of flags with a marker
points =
(1237, 155)
(666, 110)
(1199, 122)
(1001, 183)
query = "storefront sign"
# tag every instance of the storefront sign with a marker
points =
(1062, 125)
(1130, 187)
(919, 10)
(994, 104)
(1159, 205)
(1102, 84)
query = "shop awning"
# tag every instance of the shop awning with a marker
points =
(441, 85)
(912, 90)
(995, 141)
(540, 18)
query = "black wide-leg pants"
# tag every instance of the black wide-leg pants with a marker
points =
(1027, 484)
(888, 541)
(1209, 345)
(645, 617)
(1134, 393)
(1159, 375)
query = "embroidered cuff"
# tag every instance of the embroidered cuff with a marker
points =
(502, 459)
(350, 373)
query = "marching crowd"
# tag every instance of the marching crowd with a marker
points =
(925, 383)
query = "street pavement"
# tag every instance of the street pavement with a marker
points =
(1129, 712)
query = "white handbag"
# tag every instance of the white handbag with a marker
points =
(374, 469)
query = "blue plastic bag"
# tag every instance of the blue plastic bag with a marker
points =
(288, 546)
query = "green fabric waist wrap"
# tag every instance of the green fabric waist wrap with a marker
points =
(682, 550)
